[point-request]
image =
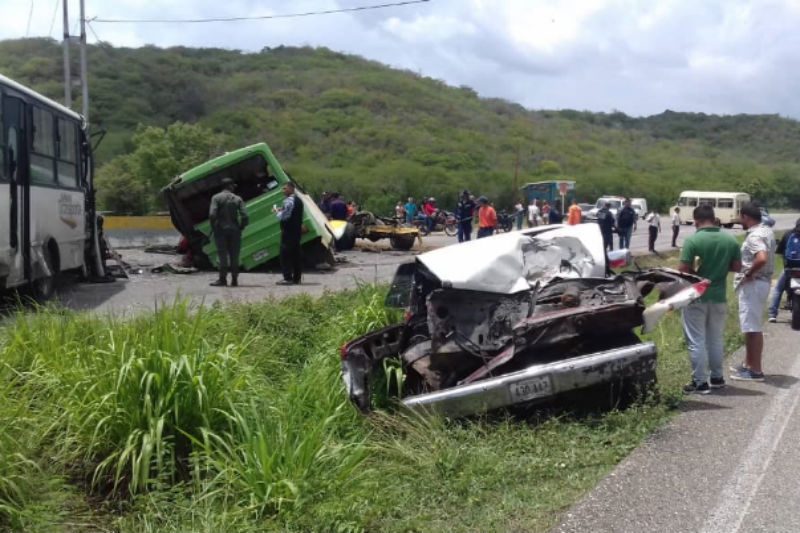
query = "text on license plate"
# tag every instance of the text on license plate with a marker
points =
(530, 389)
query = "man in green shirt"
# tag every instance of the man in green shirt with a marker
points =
(228, 218)
(711, 254)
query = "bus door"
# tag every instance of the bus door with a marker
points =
(16, 168)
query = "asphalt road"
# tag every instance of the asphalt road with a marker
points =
(728, 464)
(369, 263)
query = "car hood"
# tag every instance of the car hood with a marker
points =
(514, 262)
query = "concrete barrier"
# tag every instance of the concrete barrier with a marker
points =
(138, 232)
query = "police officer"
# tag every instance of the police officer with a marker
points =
(228, 218)
(291, 217)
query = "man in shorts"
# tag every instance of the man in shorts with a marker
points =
(753, 284)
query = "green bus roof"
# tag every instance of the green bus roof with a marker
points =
(231, 158)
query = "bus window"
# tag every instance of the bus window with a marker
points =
(725, 203)
(43, 149)
(690, 201)
(708, 201)
(67, 154)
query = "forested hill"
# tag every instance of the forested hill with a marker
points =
(377, 134)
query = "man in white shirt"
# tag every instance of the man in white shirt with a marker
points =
(654, 226)
(676, 226)
(533, 214)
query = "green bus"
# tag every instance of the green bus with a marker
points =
(259, 178)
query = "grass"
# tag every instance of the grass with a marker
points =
(234, 419)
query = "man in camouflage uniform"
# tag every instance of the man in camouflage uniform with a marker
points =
(228, 218)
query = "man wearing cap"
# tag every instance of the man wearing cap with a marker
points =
(291, 217)
(228, 218)
(465, 210)
(487, 218)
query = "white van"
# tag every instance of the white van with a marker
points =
(615, 203)
(727, 205)
(640, 206)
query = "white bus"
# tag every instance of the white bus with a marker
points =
(47, 214)
(727, 205)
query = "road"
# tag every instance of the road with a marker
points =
(370, 263)
(727, 464)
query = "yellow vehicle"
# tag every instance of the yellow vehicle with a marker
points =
(727, 205)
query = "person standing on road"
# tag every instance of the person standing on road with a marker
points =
(429, 210)
(465, 211)
(338, 208)
(291, 217)
(411, 210)
(546, 212)
(676, 226)
(519, 214)
(710, 253)
(399, 212)
(789, 248)
(752, 284)
(625, 220)
(606, 222)
(554, 216)
(654, 227)
(228, 218)
(575, 214)
(533, 214)
(487, 218)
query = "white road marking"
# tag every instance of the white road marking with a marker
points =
(742, 485)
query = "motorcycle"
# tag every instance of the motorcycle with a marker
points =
(794, 294)
(442, 221)
(505, 221)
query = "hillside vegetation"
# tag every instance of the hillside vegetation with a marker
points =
(377, 134)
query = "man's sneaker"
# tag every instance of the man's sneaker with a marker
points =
(717, 383)
(737, 368)
(772, 319)
(697, 388)
(747, 375)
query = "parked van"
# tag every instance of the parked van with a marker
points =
(640, 206)
(727, 205)
(615, 205)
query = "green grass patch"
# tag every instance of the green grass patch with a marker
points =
(234, 418)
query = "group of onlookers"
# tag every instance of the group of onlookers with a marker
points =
(334, 207)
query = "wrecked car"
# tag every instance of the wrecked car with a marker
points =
(515, 319)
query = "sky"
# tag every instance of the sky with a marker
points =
(639, 57)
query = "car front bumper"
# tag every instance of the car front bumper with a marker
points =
(538, 383)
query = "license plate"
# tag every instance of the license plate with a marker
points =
(531, 389)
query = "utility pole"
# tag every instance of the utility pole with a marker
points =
(84, 77)
(67, 74)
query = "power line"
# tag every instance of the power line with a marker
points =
(262, 17)
(53, 20)
(30, 16)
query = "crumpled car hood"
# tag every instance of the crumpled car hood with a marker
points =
(515, 261)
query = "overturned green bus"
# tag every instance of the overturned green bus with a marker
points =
(259, 178)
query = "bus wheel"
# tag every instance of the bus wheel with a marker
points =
(45, 286)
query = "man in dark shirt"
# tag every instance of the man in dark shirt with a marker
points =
(606, 222)
(626, 218)
(465, 210)
(338, 208)
(291, 217)
(228, 218)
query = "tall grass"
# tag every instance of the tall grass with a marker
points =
(234, 418)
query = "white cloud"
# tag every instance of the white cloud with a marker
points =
(639, 56)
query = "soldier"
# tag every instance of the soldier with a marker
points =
(291, 217)
(228, 218)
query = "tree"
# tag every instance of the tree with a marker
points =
(132, 183)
